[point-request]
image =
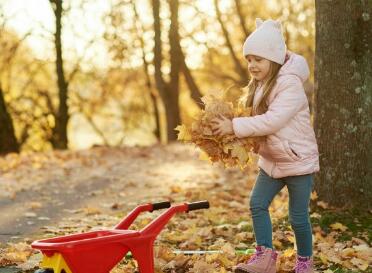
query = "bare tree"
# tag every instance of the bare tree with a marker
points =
(59, 140)
(8, 141)
(153, 92)
(169, 91)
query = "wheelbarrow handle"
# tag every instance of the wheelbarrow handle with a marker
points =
(127, 221)
(160, 205)
(154, 227)
(198, 205)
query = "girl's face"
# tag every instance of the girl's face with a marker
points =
(258, 67)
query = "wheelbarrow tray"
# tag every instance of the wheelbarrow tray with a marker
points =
(91, 252)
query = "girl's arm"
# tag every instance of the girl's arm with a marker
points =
(290, 99)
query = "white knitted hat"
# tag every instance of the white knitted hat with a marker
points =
(266, 41)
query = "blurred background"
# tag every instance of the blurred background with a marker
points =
(74, 74)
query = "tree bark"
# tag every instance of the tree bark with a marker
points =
(173, 116)
(8, 141)
(59, 139)
(343, 99)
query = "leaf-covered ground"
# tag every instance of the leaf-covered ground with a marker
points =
(56, 193)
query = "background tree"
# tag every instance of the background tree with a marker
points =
(169, 90)
(8, 141)
(343, 101)
(155, 99)
(59, 139)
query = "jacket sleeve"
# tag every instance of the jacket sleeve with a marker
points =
(289, 100)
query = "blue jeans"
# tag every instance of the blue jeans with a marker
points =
(299, 188)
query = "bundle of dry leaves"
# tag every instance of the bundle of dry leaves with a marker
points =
(228, 149)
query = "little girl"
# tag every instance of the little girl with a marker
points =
(288, 154)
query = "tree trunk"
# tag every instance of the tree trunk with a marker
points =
(169, 92)
(343, 99)
(59, 139)
(8, 141)
(153, 94)
(173, 116)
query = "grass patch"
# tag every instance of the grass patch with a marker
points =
(359, 224)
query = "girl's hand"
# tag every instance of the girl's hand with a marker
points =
(222, 126)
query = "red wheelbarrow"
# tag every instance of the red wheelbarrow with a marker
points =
(100, 251)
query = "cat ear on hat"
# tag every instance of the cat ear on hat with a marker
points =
(259, 22)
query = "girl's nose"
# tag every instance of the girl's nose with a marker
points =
(251, 66)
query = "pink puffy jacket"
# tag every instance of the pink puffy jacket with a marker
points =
(290, 147)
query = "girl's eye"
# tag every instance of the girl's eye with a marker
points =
(258, 60)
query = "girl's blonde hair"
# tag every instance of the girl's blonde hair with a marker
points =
(261, 107)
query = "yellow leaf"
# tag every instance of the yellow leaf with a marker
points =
(323, 258)
(361, 264)
(289, 252)
(35, 205)
(347, 252)
(210, 258)
(175, 189)
(228, 249)
(314, 195)
(277, 243)
(338, 226)
(204, 156)
(203, 267)
(225, 260)
(291, 238)
(91, 211)
(322, 204)
(315, 215)
(223, 270)
(240, 153)
(183, 133)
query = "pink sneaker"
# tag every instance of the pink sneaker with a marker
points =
(263, 261)
(304, 265)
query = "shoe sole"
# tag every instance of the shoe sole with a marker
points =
(238, 270)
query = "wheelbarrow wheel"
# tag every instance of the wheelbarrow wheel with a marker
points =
(43, 270)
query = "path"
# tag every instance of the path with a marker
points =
(51, 192)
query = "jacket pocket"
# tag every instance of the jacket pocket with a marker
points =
(278, 151)
(290, 151)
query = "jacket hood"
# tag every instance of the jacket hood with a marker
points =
(295, 65)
